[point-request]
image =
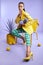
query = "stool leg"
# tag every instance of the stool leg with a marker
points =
(31, 38)
(37, 35)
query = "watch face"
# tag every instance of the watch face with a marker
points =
(25, 20)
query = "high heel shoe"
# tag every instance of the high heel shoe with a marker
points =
(29, 57)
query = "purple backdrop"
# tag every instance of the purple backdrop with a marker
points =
(0, 9)
(9, 10)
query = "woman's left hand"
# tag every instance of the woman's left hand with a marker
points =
(23, 24)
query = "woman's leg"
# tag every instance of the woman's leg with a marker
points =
(28, 44)
(28, 51)
(16, 33)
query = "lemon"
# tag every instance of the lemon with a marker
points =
(39, 45)
(8, 49)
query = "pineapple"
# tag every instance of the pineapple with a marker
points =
(10, 38)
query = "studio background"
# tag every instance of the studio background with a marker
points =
(9, 10)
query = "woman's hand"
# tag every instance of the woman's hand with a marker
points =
(19, 26)
(23, 24)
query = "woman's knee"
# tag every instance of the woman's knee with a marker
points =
(14, 31)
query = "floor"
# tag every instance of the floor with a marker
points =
(17, 53)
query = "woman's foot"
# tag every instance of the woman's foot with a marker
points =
(27, 58)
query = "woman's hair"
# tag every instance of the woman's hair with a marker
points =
(21, 3)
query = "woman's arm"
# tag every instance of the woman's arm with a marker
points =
(27, 16)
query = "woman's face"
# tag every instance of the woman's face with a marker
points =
(20, 7)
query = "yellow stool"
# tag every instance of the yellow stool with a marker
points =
(35, 26)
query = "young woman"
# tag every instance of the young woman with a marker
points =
(23, 19)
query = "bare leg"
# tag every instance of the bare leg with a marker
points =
(23, 39)
(28, 51)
